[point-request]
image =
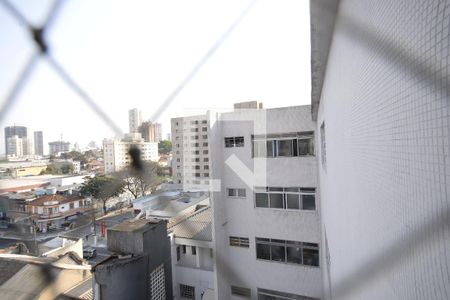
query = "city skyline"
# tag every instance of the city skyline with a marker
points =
(273, 67)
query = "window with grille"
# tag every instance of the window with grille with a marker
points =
(232, 192)
(157, 283)
(187, 291)
(239, 242)
(237, 141)
(264, 294)
(241, 291)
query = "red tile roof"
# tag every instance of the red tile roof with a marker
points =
(60, 198)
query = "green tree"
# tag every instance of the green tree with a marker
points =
(102, 188)
(139, 182)
(165, 147)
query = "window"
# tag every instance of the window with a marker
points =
(187, 291)
(234, 142)
(241, 291)
(236, 192)
(194, 129)
(194, 250)
(239, 242)
(196, 152)
(195, 137)
(205, 151)
(195, 145)
(292, 198)
(184, 249)
(323, 146)
(292, 252)
(206, 159)
(283, 145)
(178, 253)
(71, 205)
(264, 294)
(195, 159)
(204, 128)
(205, 174)
(204, 136)
(204, 122)
(205, 144)
(206, 167)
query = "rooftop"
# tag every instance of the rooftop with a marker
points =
(197, 226)
(59, 198)
(135, 225)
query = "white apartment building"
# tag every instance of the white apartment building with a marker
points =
(190, 150)
(134, 119)
(266, 204)
(116, 156)
(192, 255)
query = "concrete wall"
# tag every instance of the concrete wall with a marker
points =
(239, 216)
(386, 183)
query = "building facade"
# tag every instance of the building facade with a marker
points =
(151, 132)
(14, 146)
(134, 119)
(116, 152)
(190, 150)
(38, 143)
(58, 147)
(381, 101)
(51, 211)
(266, 204)
(15, 135)
(192, 255)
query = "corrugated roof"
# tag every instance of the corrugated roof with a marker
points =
(196, 226)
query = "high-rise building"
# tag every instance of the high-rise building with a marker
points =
(38, 143)
(151, 132)
(380, 99)
(190, 150)
(116, 156)
(14, 146)
(58, 147)
(23, 133)
(267, 230)
(134, 119)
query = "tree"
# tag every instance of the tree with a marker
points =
(102, 188)
(139, 182)
(165, 147)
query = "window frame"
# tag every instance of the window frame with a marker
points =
(285, 192)
(273, 243)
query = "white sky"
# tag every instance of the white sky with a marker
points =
(128, 54)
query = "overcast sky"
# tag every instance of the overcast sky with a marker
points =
(128, 54)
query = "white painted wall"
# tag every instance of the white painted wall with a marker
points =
(386, 185)
(239, 217)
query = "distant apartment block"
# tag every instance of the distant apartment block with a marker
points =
(38, 143)
(190, 149)
(151, 132)
(266, 208)
(58, 147)
(14, 146)
(15, 135)
(134, 119)
(116, 151)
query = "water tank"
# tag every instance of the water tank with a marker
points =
(51, 191)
